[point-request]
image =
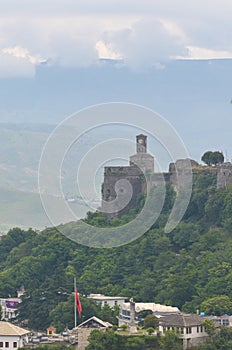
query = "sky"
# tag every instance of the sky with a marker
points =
(172, 56)
(75, 33)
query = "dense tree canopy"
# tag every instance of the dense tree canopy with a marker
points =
(185, 268)
(113, 341)
(219, 305)
(212, 158)
(151, 321)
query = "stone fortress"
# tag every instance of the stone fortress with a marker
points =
(141, 175)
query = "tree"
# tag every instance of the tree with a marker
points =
(217, 158)
(109, 314)
(206, 158)
(150, 330)
(170, 341)
(212, 158)
(133, 343)
(63, 315)
(218, 305)
(124, 327)
(99, 340)
(210, 327)
(151, 321)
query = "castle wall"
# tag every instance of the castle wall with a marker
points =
(224, 175)
(112, 176)
(144, 161)
(179, 172)
(141, 178)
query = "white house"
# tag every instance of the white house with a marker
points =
(189, 327)
(157, 309)
(111, 301)
(224, 320)
(12, 337)
(9, 308)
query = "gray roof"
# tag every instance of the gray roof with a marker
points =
(181, 320)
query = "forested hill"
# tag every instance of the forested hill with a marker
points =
(185, 268)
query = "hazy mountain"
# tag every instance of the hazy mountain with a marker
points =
(193, 95)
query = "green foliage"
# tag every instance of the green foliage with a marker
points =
(110, 340)
(182, 268)
(62, 316)
(150, 330)
(219, 305)
(134, 343)
(151, 321)
(212, 158)
(124, 327)
(104, 340)
(222, 341)
(171, 341)
(210, 327)
(109, 314)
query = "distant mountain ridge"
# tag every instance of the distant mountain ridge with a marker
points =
(194, 96)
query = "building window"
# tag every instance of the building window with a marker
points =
(197, 329)
(116, 302)
(188, 330)
(202, 329)
(182, 330)
(6, 344)
(225, 322)
(15, 344)
(1, 344)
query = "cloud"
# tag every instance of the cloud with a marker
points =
(22, 52)
(18, 62)
(106, 51)
(146, 43)
(11, 66)
(142, 33)
(204, 53)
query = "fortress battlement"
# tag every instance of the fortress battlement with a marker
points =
(140, 173)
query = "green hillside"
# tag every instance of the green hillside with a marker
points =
(185, 268)
(20, 152)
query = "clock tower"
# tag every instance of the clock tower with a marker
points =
(141, 142)
(142, 159)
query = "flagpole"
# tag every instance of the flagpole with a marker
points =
(75, 303)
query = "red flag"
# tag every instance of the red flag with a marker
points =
(78, 303)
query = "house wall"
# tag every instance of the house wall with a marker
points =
(197, 335)
(8, 313)
(19, 342)
(111, 303)
(109, 300)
